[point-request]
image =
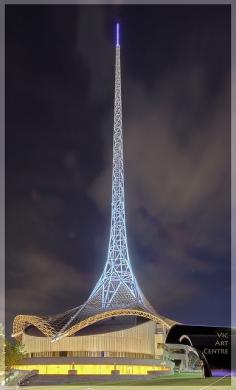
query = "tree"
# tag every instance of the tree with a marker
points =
(14, 353)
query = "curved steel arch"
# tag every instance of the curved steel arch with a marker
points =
(115, 313)
(21, 321)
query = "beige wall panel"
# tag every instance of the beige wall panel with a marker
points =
(138, 339)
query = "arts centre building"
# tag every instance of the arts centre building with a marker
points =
(116, 330)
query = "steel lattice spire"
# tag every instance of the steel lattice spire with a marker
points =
(117, 285)
(117, 292)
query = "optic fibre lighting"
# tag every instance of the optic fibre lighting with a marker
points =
(117, 34)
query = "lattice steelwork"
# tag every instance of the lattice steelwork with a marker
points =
(117, 287)
(117, 292)
(117, 284)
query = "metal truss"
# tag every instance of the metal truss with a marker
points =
(22, 321)
(117, 287)
(117, 283)
(116, 313)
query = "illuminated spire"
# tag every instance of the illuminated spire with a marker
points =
(117, 34)
(117, 286)
(117, 292)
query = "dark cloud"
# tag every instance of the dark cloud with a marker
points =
(99, 61)
(42, 284)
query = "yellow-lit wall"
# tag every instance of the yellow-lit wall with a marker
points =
(138, 339)
(90, 369)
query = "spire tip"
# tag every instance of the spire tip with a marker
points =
(117, 34)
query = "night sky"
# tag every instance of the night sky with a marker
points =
(176, 118)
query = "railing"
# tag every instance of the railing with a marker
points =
(28, 376)
(15, 378)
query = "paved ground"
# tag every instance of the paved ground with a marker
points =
(222, 383)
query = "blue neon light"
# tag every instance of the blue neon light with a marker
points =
(117, 35)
